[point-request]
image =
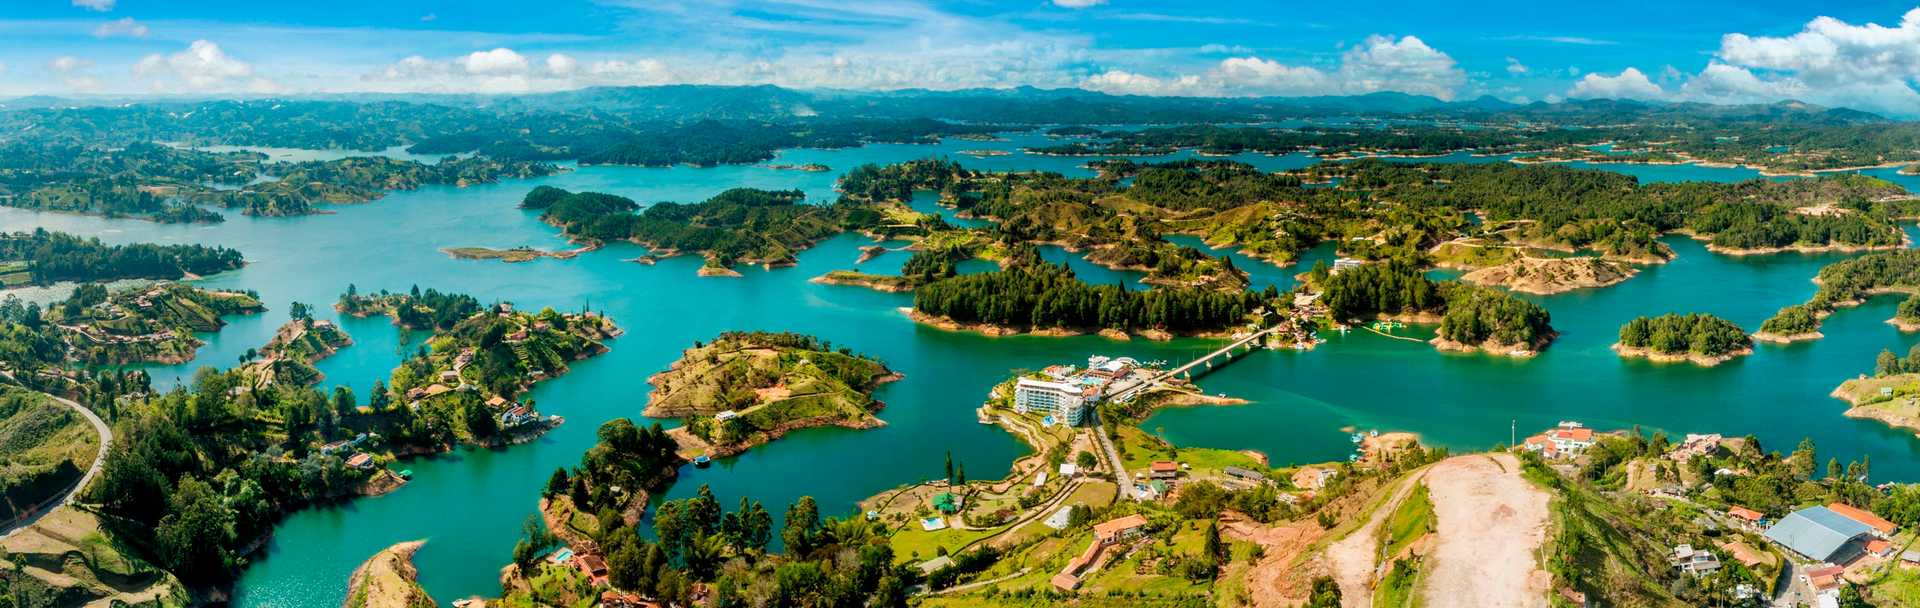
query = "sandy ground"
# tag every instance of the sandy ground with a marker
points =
(1491, 521)
(1352, 558)
(1274, 581)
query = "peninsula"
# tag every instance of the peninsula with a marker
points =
(154, 324)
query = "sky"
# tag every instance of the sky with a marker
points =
(1859, 54)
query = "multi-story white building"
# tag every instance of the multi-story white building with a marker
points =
(1066, 402)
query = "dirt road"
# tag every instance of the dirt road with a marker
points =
(1491, 521)
(106, 441)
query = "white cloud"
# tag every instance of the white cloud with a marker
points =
(1224, 49)
(1515, 67)
(1078, 3)
(95, 5)
(124, 26)
(1407, 65)
(500, 61)
(1630, 83)
(203, 66)
(1834, 62)
(560, 64)
(1381, 63)
(68, 63)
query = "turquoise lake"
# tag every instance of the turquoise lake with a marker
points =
(469, 504)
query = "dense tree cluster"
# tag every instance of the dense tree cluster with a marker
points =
(1478, 315)
(430, 309)
(1698, 333)
(195, 474)
(1044, 295)
(57, 256)
(1388, 288)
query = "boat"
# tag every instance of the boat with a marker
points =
(1359, 437)
(405, 473)
(702, 461)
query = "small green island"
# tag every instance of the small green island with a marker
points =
(1702, 339)
(745, 389)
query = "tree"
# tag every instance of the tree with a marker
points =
(377, 399)
(1086, 460)
(949, 475)
(1886, 364)
(300, 312)
(343, 402)
(557, 483)
(803, 521)
(1213, 546)
(194, 537)
(1326, 593)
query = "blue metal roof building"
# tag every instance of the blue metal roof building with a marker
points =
(1818, 533)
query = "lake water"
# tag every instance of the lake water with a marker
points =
(469, 504)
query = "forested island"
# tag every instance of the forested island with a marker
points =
(1048, 299)
(744, 389)
(1471, 318)
(1843, 284)
(1703, 339)
(741, 225)
(42, 257)
(289, 356)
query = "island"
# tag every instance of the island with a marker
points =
(1702, 339)
(738, 226)
(1891, 395)
(1547, 276)
(388, 580)
(153, 324)
(514, 255)
(42, 257)
(429, 310)
(1471, 318)
(744, 389)
(1046, 299)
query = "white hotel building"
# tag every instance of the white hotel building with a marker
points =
(1067, 403)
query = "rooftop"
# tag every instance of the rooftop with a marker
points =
(1816, 532)
(1865, 517)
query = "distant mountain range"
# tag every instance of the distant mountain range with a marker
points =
(1029, 105)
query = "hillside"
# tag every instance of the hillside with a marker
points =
(1546, 276)
(771, 382)
(149, 324)
(44, 448)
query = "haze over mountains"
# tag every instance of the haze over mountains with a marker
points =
(1018, 105)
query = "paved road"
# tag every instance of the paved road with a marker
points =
(106, 440)
(1120, 475)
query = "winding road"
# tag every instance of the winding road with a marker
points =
(106, 441)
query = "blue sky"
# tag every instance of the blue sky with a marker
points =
(1858, 54)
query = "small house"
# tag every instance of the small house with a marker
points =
(1164, 469)
(362, 461)
(1117, 530)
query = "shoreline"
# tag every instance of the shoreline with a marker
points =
(998, 331)
(1773, 338)
(1635, 352)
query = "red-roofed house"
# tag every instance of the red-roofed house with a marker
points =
(1746, 514)
(1164, 469)
(1826, 578)
(1116, 530)
(1880, 526)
